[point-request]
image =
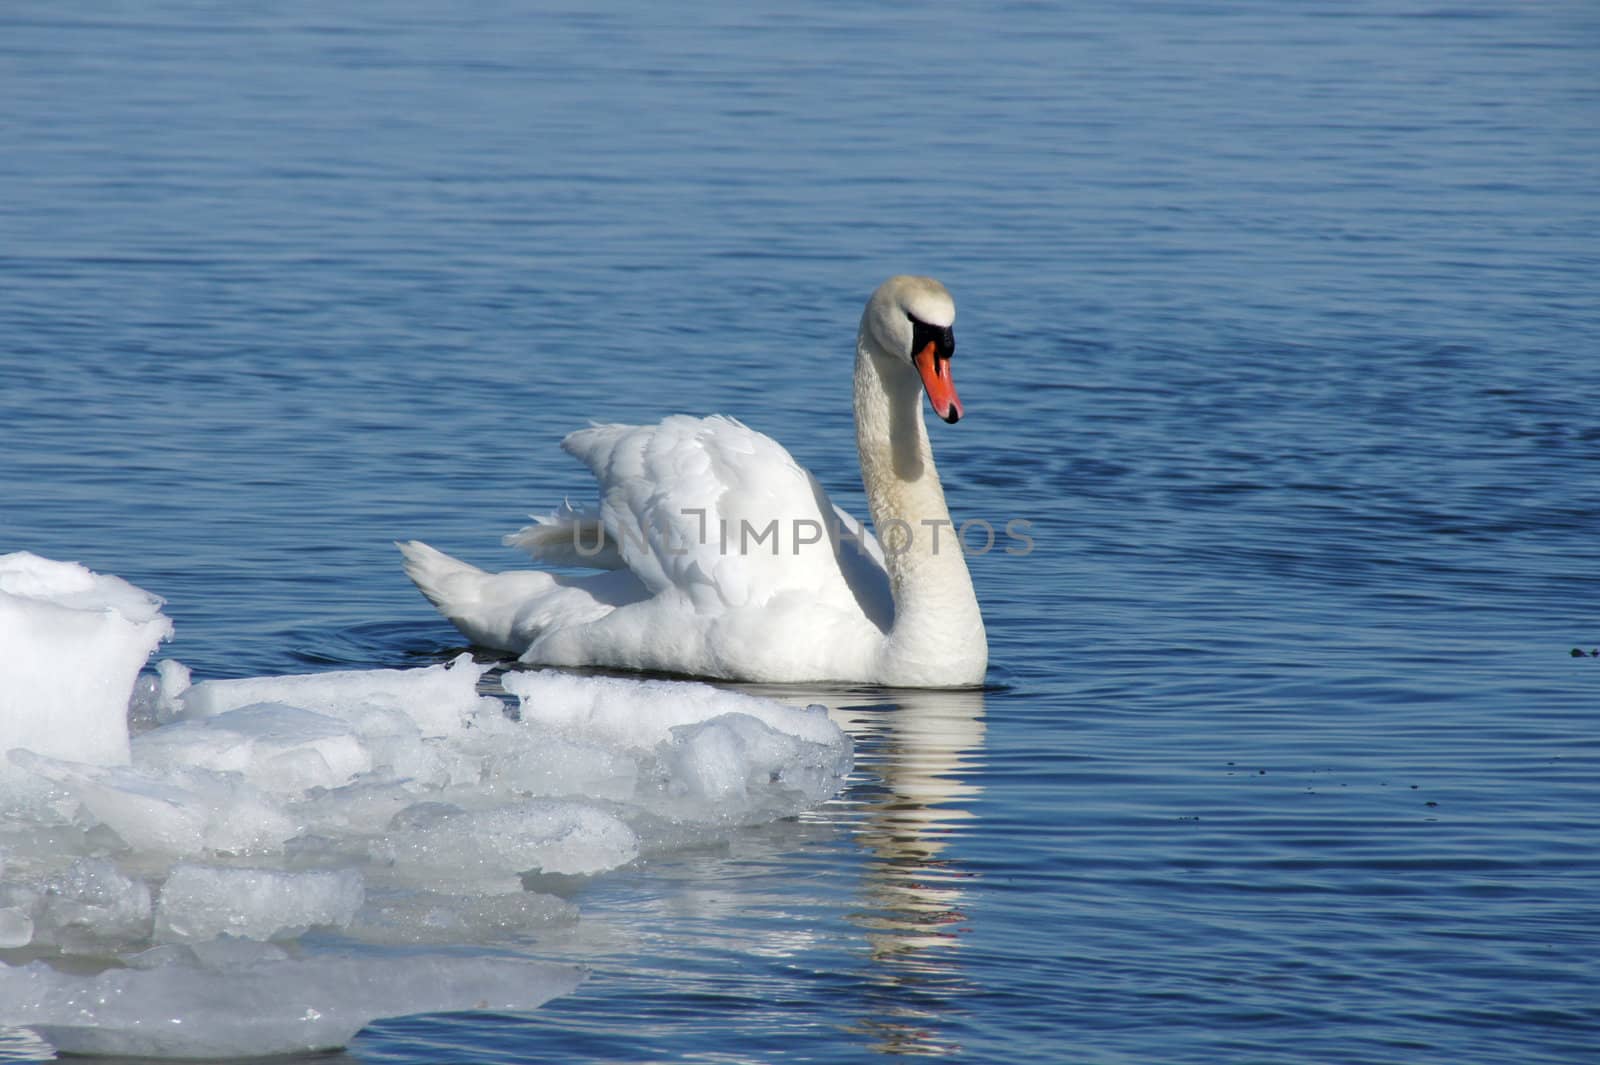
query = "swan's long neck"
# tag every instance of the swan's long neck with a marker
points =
(937, 638)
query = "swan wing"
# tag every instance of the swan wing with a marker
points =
(861, 563)
(569, 536)
(714, 512)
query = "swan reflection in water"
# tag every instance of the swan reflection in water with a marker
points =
(921, 750)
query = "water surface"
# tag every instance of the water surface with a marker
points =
(1276, 322)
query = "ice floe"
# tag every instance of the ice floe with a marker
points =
(228, 1002)
(73, 642)
(263, 865)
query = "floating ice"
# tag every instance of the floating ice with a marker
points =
(435, 917)
(278, 748)
(207, 901)
(73, 643)
(16, 927)
(703, 755)
(385, 808)
(641, 713)
(532, 836)
(90, 907)
(178, 812)
(209, 1005)
(434, 699)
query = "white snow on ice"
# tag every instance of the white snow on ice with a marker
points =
(156, 882)
(73, 642)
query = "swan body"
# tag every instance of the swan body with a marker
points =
(717, 555)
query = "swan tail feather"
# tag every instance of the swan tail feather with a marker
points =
(437, 575)
(486, 607)
(571, 536)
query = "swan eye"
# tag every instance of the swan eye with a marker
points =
(942, 337)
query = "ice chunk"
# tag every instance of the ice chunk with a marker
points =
(728, 757)
(206, 901)
(92, 904)
(16, 927)
(182, 812)
(439, 699)
(521, 758)
(74, 643)
(436, 917)
(189, 1008)
(156, 697)
(89, 907)
(445, 843)
(280, 749)
(735, 769)
(639, 714)
(710, 760)
(343, 819)
(175, 679)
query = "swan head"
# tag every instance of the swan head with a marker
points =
(911, 319)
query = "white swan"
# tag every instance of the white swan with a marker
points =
(723, 557)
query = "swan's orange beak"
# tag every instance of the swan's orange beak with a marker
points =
(935, 372)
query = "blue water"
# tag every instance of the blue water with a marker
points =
(1278, 322)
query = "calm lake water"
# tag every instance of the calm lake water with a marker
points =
(1278, 322)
